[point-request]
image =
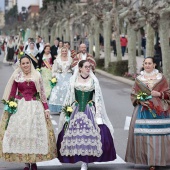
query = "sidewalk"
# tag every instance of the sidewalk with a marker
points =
(139, 61)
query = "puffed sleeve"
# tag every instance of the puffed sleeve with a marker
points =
(13, 90)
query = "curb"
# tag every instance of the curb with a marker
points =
(118, 78)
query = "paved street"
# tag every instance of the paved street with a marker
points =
(119, 109)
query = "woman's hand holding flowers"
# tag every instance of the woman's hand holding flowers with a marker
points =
(155, 93)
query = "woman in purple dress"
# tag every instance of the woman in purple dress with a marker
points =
(28, 135)
(87, 135)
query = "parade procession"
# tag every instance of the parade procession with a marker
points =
(84, 85)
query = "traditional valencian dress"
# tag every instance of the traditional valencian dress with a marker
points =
(46, 67)
(29, 136)
(149, 133)
(88, 137)
(10, 52)
(62, 71)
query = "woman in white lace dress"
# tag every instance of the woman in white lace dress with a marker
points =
(61, 69)
(87, 135)
(28, 135)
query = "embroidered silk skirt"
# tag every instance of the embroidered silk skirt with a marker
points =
(149, 139)
(29, 137)
(58, 93)
(84, 140)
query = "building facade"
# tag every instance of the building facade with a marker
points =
(2, 20)
(27, 3)
(9, 4)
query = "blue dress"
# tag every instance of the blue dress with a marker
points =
(61, 70)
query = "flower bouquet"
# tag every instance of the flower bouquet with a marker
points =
(10, 106)
(21, 53)
(141, 96)
(67, 110)
(38, 69)
(53, 82)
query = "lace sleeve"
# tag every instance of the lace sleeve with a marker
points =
(98, 103)
(42, 94)
(54, 68)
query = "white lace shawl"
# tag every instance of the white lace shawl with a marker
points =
(99, 103)
(59, 67)
(17, 76)
(33, 52)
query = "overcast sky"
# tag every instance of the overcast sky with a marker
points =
(2, 5)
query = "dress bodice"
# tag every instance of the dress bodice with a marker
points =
(84, 93)
(47, 60)
(23, 88)
(61, 66)
(26, 90)
(83, 98)
(150, 82)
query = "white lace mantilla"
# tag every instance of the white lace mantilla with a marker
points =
(60, 66)
(81, 138)
(27, 132)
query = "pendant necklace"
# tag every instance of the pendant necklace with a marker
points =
(84, 77)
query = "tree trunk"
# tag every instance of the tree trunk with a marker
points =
(56, 31)
(42, 31)
(164, 39)
(122, 27)
(53, 35)
(150, 41)
(90, 40)
(67, 36)
(131, 50)
(27, 34)
(39, 30)
(139, 42)
(71, 32)
(59, 30)
(107, 37)
(46, 34)
(96, 38)
(117, 31)
(32, 32)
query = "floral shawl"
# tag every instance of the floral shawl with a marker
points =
(160, 104)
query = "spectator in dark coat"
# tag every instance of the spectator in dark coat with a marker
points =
(54, 50)
(158, 53)
(143, 44)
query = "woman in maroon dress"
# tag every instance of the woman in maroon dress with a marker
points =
(28, 135)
